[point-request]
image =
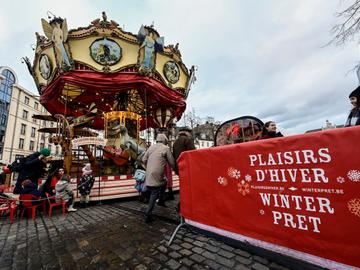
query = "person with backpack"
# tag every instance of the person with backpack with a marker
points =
(31, 168)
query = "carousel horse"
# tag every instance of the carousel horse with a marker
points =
(131, 145)
(128, 144)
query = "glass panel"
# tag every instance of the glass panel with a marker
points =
(242, 129)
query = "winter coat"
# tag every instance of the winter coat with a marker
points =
(86, 183)
(182, 143)
(353, 116)
(33, 169)
(49, 185)
(63, 190)
(270, 135)
(30, 188)
(155, 159)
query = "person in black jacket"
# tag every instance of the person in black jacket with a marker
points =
(354, 116)
(33, 168)
(269, 131)
(184, 142)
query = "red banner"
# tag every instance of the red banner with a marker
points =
(297, 195)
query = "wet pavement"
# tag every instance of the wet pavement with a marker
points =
(114, 236)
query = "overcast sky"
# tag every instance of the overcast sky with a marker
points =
(255, 57)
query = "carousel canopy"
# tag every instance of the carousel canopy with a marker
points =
(102, 64)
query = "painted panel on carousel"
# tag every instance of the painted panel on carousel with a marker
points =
(45, 66)
(105, 51)
(171, 72)
(152, 43)
(57, 32)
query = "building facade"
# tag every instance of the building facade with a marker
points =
(19, 134)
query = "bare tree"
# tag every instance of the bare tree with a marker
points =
(191, 119)
(349, 28)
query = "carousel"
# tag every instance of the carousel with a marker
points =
(102, 86)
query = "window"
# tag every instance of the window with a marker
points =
(36, 105)
(44, 123)
(6, 86)
(23, 129)
(56, 150)
(32, 144)
(21, 144)
(27, 100)
(33, 130)
(43, 136)
(3, 119)
(19, 156)
(25, 114)
(41, 146)
(34, 120)
(2, 135)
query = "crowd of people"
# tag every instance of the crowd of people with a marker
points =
(56, 187)
(160, 160)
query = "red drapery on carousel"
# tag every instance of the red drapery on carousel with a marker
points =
(156, 92)
(297, 195)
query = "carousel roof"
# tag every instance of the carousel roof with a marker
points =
(92, 64)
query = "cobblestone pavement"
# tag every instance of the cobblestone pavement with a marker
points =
(114, 236)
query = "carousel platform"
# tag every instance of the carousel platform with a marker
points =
(105, 188)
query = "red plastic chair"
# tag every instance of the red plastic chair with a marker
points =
(26, 200)
(53, 204)
(8, 205)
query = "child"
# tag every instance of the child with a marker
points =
(86, 183)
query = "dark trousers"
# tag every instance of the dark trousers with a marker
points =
(155, 193)
(162, 193)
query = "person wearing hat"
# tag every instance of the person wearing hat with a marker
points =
(184, 142)
(33, 168)
(155, 159)
(86, 183)
(354, 116)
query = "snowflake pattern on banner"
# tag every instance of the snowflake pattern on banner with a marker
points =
(248, 178)
(354, 175)
(243, 187)
(354, 206)
(234, 173)
(222, 181)
(340, 179)
(262, 212)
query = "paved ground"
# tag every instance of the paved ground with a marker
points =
(114, 236)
